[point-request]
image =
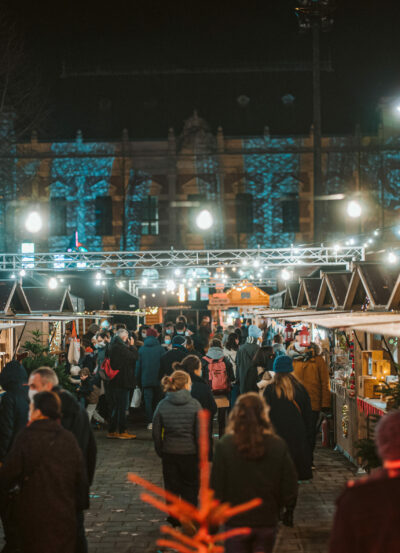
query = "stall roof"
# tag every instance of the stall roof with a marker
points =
(338, 284)
(45, 300)
(12, 298)
(378, 281)
(5, 326)
(48, 318)
(308, 292)
(350, 320)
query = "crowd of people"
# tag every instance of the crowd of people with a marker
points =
(265, 400)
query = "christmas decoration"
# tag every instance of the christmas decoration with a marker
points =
(345, 421)
(210, 513)
(305, 340)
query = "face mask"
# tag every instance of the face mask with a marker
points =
(167, 341)
(144, 335)
(169, 331)
(100, 344)
(31, 394)
(187, 333)
(180, 332)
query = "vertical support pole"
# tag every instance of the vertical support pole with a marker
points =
(318, 186)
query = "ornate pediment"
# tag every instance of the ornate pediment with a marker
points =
(197, 136)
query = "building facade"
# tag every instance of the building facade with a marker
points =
(131, 195)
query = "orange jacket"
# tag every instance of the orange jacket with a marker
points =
(314, 375)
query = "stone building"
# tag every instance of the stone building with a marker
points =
(130, 195)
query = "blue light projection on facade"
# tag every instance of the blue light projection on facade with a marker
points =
(340, 166)
(209, 186)
(80, 174)
(269, 176)
(138, 190)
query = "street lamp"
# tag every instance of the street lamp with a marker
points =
(204, 220)
(52, 284)
(354, 209)
(34, 222)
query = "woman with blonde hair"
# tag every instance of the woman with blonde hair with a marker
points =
(175, 435)
(291, 414)
(251, 461)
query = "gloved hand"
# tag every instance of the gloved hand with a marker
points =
(287, 518)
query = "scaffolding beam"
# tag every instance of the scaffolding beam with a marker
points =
(168, 259)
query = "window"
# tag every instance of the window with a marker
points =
(150, 215)
(103, 216)
(290, 213)
(244, 213)
(58, 216)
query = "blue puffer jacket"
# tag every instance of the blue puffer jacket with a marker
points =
(148, 365)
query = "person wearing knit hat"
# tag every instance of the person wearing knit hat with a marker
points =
(176, 354)
(152, 332)
(255, 332)
(368, 512)
(282, 364)
(291, 414)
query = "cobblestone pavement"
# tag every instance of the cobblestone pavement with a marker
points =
(119, 521)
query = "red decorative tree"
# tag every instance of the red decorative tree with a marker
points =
(210, 513)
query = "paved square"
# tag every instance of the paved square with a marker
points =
(119, 521)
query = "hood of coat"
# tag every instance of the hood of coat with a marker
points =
(215, 353)
(298, 353)
(181, 397)
(150, 342)
(13, 376)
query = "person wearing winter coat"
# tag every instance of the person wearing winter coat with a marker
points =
(230, 351)
(14, 411)
(245, 368)
(14, 405)
(277, 344)
(75, 419)
(264, 361)
(47, 465)
(291, 415)
(147, 373)
(250, 462)
(312, 371)
(174, 355)
(175, 434)
(367, 518)
(123, 356)
(200, 389)
(215, 356)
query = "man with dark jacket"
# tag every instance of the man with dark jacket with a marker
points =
(75, 419)
(123, 357)
(14, 408)
(368, 512)
(14, 405)
(174, 355)
(246, 370)
(147, 373)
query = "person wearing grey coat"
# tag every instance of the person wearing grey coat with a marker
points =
(175, 433)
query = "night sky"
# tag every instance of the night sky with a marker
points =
(364, 48)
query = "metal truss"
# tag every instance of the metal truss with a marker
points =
(167, 259)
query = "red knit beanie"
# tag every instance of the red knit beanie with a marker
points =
(151, 332)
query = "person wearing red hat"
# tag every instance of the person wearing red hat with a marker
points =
(367, 518)
(147, 372)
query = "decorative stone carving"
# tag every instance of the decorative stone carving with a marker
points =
(197, 135)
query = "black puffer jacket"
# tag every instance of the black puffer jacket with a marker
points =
(123, 359)
(175, 424)
(75, 419)
(14, 405)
